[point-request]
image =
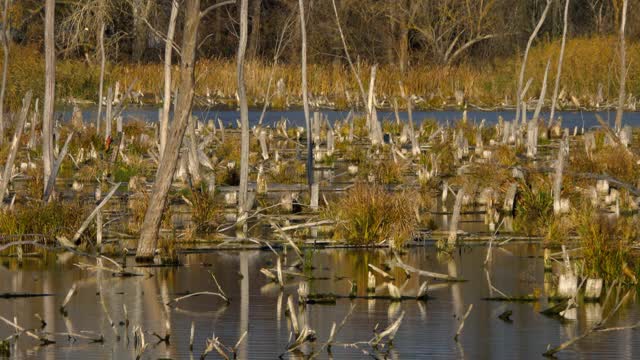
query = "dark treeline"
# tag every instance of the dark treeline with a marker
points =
(399, 32)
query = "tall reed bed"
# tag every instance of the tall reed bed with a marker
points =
(590, 64)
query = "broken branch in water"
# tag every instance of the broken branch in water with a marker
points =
(43, 340)
(389, 332)
(219, 294)
(176, 300)
(70, 294)
(384, 274)
(595, 328)
(224, 351)
(466, 315)
(398, 263)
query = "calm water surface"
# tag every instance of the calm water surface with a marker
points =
(258, 307)
(296, 117)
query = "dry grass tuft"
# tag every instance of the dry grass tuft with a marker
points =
(369, 214)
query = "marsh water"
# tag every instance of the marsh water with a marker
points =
(570, 119)
(258, 307)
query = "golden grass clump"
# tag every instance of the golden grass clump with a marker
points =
(206, 212)
(606, 245)
(369, 214)
(534, 210)
(44, 219)
(288, 172)
(613, 160)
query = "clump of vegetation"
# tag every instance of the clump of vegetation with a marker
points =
(368, 215)
(288, 172)
(206, 213)
(613, 160)
(47, 220)
(606, 245)
(385, 171)
(534, 210)
(137, 205)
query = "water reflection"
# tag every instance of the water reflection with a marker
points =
(257, 306)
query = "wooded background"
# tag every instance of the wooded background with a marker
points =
(399, 32)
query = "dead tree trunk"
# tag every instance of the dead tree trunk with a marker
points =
(5, 38)
(244, 108)
(346, 53)
(49, 89)
(556, 89)
(103, 62)
(141, 10)
(254, 37)
(166, 168)
(194, 164)
(8, 166)
(623, 67)
(526, 55)
(403, 37)
(166, 102)
(305, 97)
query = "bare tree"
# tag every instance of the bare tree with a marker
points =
(103, 63)
(5, 37)
(449, 28)
(305, 95)
(556, 89)
(184, 102)
(526, 56)
(168, 49)
(49, 89)
(244, 108)
(15, 144)
(346, 53)
(623, 67)
(254, 36)
(141, 11)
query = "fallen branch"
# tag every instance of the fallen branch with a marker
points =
(398, 263)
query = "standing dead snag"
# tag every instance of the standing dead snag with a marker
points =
(5, 37)
(453, 227)
(184, 102)
(623, 67)
(244, 109)
(8, 166)
(166, 102)
(519, 95)
(49, 89)
(305, 96)
(167, 166)
(558, 206)
(103, 62)
(554, 98)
